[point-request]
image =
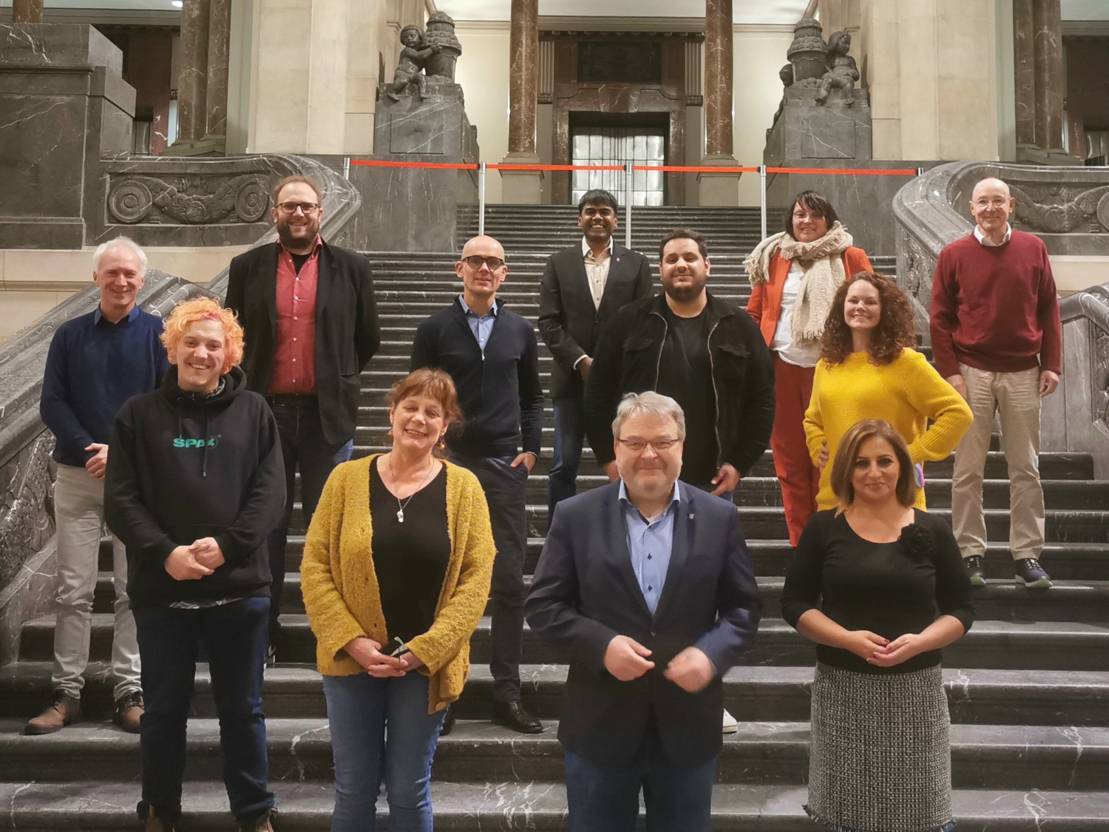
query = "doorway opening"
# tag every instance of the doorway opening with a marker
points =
(615, 139)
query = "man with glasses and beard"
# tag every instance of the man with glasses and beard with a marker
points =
(307, 309)
(493, 357)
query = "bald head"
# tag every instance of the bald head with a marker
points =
(990, 205)
(482, 269)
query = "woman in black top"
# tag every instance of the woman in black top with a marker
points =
(879, 586)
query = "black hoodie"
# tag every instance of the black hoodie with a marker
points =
(183, 466)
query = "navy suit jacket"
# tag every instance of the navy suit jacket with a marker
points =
(585, 592)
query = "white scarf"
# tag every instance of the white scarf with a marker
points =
(822, 262)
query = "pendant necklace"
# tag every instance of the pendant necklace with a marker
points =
(402, 505)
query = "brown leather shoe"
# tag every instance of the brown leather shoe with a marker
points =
(62, 711)
(129, 711)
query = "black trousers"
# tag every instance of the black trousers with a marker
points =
(506, 492)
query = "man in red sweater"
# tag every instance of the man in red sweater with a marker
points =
(996, 337)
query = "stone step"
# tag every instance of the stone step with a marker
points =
(774, 693)
(1049, 645)
(299, 750)
(493, 806)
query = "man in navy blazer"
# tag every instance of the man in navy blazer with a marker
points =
(648, 584)
(582, 288)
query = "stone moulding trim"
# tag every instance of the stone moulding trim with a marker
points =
(134, 199)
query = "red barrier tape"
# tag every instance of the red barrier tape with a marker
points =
(390, 163)
(851, 171)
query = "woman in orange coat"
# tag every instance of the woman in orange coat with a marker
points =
(794, 276)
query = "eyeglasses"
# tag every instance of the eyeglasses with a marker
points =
(637, 445)
(306, 208)
(474, 261)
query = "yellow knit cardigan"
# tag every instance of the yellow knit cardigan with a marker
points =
(341, 594)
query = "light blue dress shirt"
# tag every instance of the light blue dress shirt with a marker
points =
(649, 544)
(480, 325)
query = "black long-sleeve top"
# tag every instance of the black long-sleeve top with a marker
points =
(498, 387)
(887, 588)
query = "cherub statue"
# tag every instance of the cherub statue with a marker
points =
(786, 74)
(409, 68)
(842, 72)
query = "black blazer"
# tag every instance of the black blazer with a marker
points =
(346, 328)
(584, 593)
(568, 322)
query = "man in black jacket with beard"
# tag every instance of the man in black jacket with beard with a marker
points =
(702, 352)
(195, 484)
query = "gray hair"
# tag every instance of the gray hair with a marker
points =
(648, 403)
(119, 242)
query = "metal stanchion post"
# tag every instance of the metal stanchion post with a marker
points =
(762, 199)
(346, 168)
(481, 199)
(627, 204)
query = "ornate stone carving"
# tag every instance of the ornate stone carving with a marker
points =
(445, 46)
(1049, 209)
(808, 53)
(26, 505)
(134, 199)
(424, 54)
(842, 72)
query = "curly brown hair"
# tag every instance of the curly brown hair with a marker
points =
(894, 332)
(435, 384)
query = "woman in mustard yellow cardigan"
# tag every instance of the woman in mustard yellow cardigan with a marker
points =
(395, 575)
(869, 370)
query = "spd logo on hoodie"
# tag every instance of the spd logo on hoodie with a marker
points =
(181, 442)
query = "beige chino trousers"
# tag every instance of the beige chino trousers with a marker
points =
(1015, 397)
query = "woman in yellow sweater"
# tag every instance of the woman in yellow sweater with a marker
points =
(395, 575)
(869, 370)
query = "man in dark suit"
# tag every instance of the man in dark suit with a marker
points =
(307, 309)
(582, 287)
(648, 584)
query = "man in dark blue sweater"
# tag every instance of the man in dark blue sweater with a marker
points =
(492, 355)
(96, 362)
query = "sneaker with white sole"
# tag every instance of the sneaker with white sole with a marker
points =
(1031, 574)
(730, 725)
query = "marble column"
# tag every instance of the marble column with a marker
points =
(718, 188)
(523, 91)
(219, 43)
(192, 84)
(1048, 24)
(26, 11)
(1024, 64)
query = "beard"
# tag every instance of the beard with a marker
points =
(299, 239)
(684, 294)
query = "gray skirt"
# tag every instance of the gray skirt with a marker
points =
(880, 759)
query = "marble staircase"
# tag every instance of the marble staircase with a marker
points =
(1028, 686)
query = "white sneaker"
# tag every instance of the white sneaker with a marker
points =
(730, 725)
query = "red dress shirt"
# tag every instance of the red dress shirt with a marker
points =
(294, 360)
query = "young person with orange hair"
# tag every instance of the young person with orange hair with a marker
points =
(195, 484)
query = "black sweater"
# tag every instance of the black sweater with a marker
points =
(184, 466)
(498, 390)
(887, 588)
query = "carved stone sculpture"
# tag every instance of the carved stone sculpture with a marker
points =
(808, 53)
(424, 55)
(445, 46)
(842, 72)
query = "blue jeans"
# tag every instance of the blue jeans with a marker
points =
(569, 415)
(606, 798)
(361, 711)
(234, 636)
(303, 446)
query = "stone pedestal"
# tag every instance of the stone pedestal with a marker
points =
(436, 125)
(413, 209)
(718, 188)
(807, 130)
(64, 105)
